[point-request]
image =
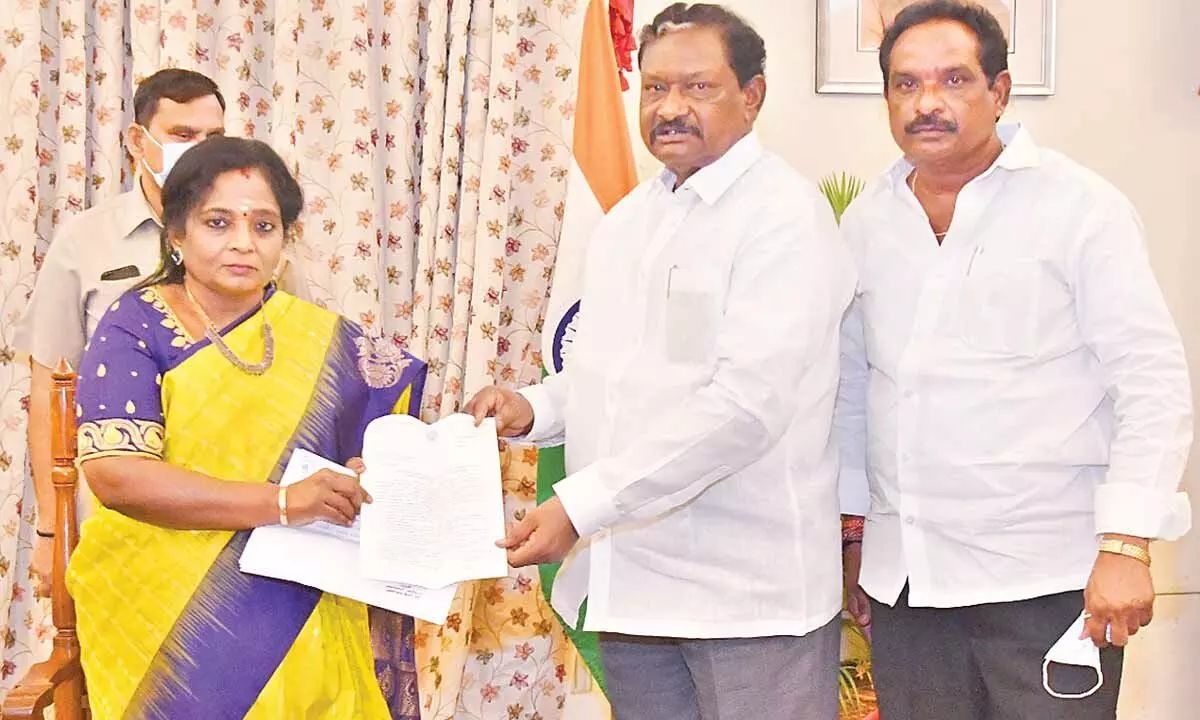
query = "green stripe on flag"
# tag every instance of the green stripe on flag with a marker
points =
(552, 468)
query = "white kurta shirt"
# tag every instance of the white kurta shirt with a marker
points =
(1012, 393)
(697, 405)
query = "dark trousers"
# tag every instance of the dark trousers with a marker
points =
(984, 662)
(766, 678)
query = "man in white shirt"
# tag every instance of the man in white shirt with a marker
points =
(697, 406)
(1014, 411)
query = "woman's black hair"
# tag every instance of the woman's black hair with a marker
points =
(192, 179)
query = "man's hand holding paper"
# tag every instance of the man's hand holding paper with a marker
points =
(545, 534)
(511, 411)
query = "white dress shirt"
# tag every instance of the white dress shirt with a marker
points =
(1012, 393)
(697, 405)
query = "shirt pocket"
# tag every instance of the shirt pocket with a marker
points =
(691, 316)
(100, 300)
(999, 306)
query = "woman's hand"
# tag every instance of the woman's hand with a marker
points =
(327, 495)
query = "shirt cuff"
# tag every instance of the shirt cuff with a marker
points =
(854, 494)
(1131, 509)
(546, 421)
(587, 502)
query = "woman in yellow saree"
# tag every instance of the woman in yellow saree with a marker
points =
(195, 390)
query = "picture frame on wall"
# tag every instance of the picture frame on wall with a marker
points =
(849, 31)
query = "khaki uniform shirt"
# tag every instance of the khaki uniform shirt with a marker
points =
(96, 255)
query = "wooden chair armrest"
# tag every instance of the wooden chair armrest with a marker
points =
(30, 698)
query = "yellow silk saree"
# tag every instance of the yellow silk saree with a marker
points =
(170, 628)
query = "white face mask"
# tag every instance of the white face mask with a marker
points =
(171, 152)
(1071, 650)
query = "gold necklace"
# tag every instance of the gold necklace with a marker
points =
(913, 187)
(210, 332)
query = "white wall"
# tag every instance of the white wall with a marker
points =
(1127, 106)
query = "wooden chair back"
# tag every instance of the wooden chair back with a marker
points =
(59, 680)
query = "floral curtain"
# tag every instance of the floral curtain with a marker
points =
(432, 139)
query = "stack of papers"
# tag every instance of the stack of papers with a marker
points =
(437, 513)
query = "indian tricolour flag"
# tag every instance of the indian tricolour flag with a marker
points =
(602, 172)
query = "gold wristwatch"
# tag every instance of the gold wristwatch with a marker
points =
(1120, 547)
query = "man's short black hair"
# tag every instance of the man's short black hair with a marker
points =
(993, 47)
(744, 47)
(176, 84)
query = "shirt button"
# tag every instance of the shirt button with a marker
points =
(909, 519)
(908, 394)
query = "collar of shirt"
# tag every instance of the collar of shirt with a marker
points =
(711, 181)
(1019, 152)
(135, 210)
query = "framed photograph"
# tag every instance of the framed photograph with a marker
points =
(849, 32)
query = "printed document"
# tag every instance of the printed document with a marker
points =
(438, 508)
(326, 557)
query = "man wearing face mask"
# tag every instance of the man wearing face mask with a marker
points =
(1014, 411)
(102, 252)
(697, 404)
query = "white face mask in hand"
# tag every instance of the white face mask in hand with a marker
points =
(1071, 650)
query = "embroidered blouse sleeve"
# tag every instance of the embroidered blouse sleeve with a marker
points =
(119, 398)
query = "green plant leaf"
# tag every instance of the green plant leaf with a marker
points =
(840, 190)
(849, 698)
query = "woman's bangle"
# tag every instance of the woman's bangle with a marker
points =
(43, 534)
(282, 497)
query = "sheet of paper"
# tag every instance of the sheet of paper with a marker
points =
(438, 507)
(326, 557)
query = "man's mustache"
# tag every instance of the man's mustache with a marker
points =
(678, 126)
(930, 122)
